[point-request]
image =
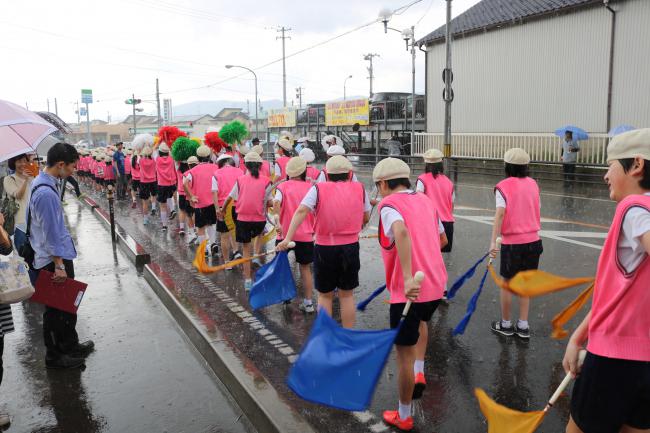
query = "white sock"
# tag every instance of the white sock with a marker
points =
(307, 301)
(522, 324)
(418, 366)
(212, 233)
(404, 410)
(181, 225)
(153, 205)
(163, 217)
(506, 323)
(170, 205)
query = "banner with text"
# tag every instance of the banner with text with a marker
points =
(347, 113)
(282, 117)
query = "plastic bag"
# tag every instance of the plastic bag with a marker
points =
(15, 285)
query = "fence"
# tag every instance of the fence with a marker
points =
(540, 147)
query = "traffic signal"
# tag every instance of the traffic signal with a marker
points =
(133, 101)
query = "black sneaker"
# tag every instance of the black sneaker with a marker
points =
(172, 215)
(500, 329)
(522, 333)
(237, 255)
(64, 362)
(82, 350)
(214, 250)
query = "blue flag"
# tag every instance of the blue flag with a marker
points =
(361, 306)
(471, 307)
(273, 283)
(466, 276)
(340, 367)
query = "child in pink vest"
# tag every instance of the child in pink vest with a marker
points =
(265, 170)
(440, 190)
(249, 193)
(223, 181)
(101, 168)
(288, 196)
(517, 220)
(148, 185)
(109, 174)
(284, 152)
(167, 184)
(198, 189)
(341, 207)
(135, 178)
(186, 211)
(312, 172)
(409, 220)
(612, 392)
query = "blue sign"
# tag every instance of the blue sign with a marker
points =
(86, 96)
(82, 111)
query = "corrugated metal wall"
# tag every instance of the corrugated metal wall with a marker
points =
(631, 89)
(533, 77)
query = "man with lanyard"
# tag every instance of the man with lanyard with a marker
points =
(54, 251)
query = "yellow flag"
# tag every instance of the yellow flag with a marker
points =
(504, 420)
(567, 314)
(228, 219)
(530, 284)
(268, 236)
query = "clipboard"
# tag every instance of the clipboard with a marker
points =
(64, 296)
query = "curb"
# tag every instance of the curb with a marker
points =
(255, 395)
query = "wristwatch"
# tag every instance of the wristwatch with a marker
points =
(60, 267)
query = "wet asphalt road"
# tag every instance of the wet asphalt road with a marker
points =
(520, 375)
(143, 377)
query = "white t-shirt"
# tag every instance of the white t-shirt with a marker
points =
(188, 176)
(311, 199)
(501, 202)
(215, 184)
(234, 193)
(630, 249)
(419, 187)
(321, 177)
(389, 215)
(278, 196)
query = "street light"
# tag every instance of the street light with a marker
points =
(257, 120)
(384, 16)
(345, 81)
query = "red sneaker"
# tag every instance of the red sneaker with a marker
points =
(420, 385)
(133, 205)
(391, 417)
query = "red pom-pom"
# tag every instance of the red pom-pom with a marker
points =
(213, 141)
(169, 134)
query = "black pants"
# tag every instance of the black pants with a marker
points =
(121, 186)
(59, 333)
(2, 349)
(569, 171)
(74, 184)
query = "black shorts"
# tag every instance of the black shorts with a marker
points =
(135, 185)
(520, 257)
(128, 177)
(221, 224)
(304, 252)
(165, 192)
(184, 205)
(449, 232)
(245, 231)
(336, 267)
(205, 216)
(410, 331)
(147, 190)
(610, 393)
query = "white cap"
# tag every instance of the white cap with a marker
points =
(296, 166)
(203, 151)
(285, 144)
(307, 154)
(163, 147)
(252, 157)
(147, 151)
(192, 160)
(338, 164)
(223, 156)
(516, 156)
(390, 168)
(432, 156)
(630, 145)
(335, 150)
(258, 149)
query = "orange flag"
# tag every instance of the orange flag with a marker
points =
(504, 420)
(567, 314)
(534, 283)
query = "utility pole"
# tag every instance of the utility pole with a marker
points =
(134, 122)
(48, 105)
(56, 107)
(371, 76)
(248, 106)
(299, 96)
(78, 115)
(90, 140)
(448, 77)
(284, 66)
(157, 104)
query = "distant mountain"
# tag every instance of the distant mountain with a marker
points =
(213, 107)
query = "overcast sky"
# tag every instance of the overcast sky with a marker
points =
(118, 47)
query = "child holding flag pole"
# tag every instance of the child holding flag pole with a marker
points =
(612, 392)
(402, 212)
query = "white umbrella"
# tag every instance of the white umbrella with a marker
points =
(21, 131)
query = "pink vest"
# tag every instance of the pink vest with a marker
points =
(147, 170)
(250, 204)
(81, 165)
(135, 169)
(101, 169)
(179, 183)
(165, 171)
(312, 174)
(93, 167)
(416, 209)
(109, 174)
(620, 311)
(282, 163)
(202, 183)
(339, 212)
(440, 191)
(226, 178)
(127, 164)
(293, 191)
(265, 169)
(521, 222)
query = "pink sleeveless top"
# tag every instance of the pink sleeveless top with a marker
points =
(250, 204)
(417, 210)
(339, 212)
(127, 164)
(312, 173)
(521, 222)
(165, 171)
(202, 183)
(440, 191)
(101, 169)
(179, 183)
(293, 191)
(620, 321)
(282, 163)
(135, 169)
(265, 169)
(226, 178)
(109, 174)
(147, 170)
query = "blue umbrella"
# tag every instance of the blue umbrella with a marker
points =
(578, 133)
(620, 129)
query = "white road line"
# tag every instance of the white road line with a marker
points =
(541, 193)
(364, 416)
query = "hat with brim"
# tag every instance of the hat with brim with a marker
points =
(192, 160)
(307, 154)
(630, 144)
(257, 149)
(285, 144)
(433, 156)
(338, 164)
(391, 168)
(252, 157)
(224, 156)
(335, 150)
(516, 156)
(147, 151)
(203, 151)
(163, 147)
(296, 166)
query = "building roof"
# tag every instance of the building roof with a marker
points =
(497, 13)
(191, 118)
(140, 119)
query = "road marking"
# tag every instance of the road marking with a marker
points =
(541, 193)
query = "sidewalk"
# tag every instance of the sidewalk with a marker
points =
(143, 376)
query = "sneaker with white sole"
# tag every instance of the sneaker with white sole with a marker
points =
(237, 255)
(498, 328)
(307, 308)
(248, 284)
(4, 420)
(257, 262)
(214, 250)
(192, 238)
(522, 333)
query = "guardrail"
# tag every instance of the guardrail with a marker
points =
(540, 147)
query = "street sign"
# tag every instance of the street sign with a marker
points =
(82, 111)
(86, 96)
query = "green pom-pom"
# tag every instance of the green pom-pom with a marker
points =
(183, 148)
(233, 132)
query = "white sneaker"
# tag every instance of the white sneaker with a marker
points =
(192, 238)
(307, 308)
(4, 420)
